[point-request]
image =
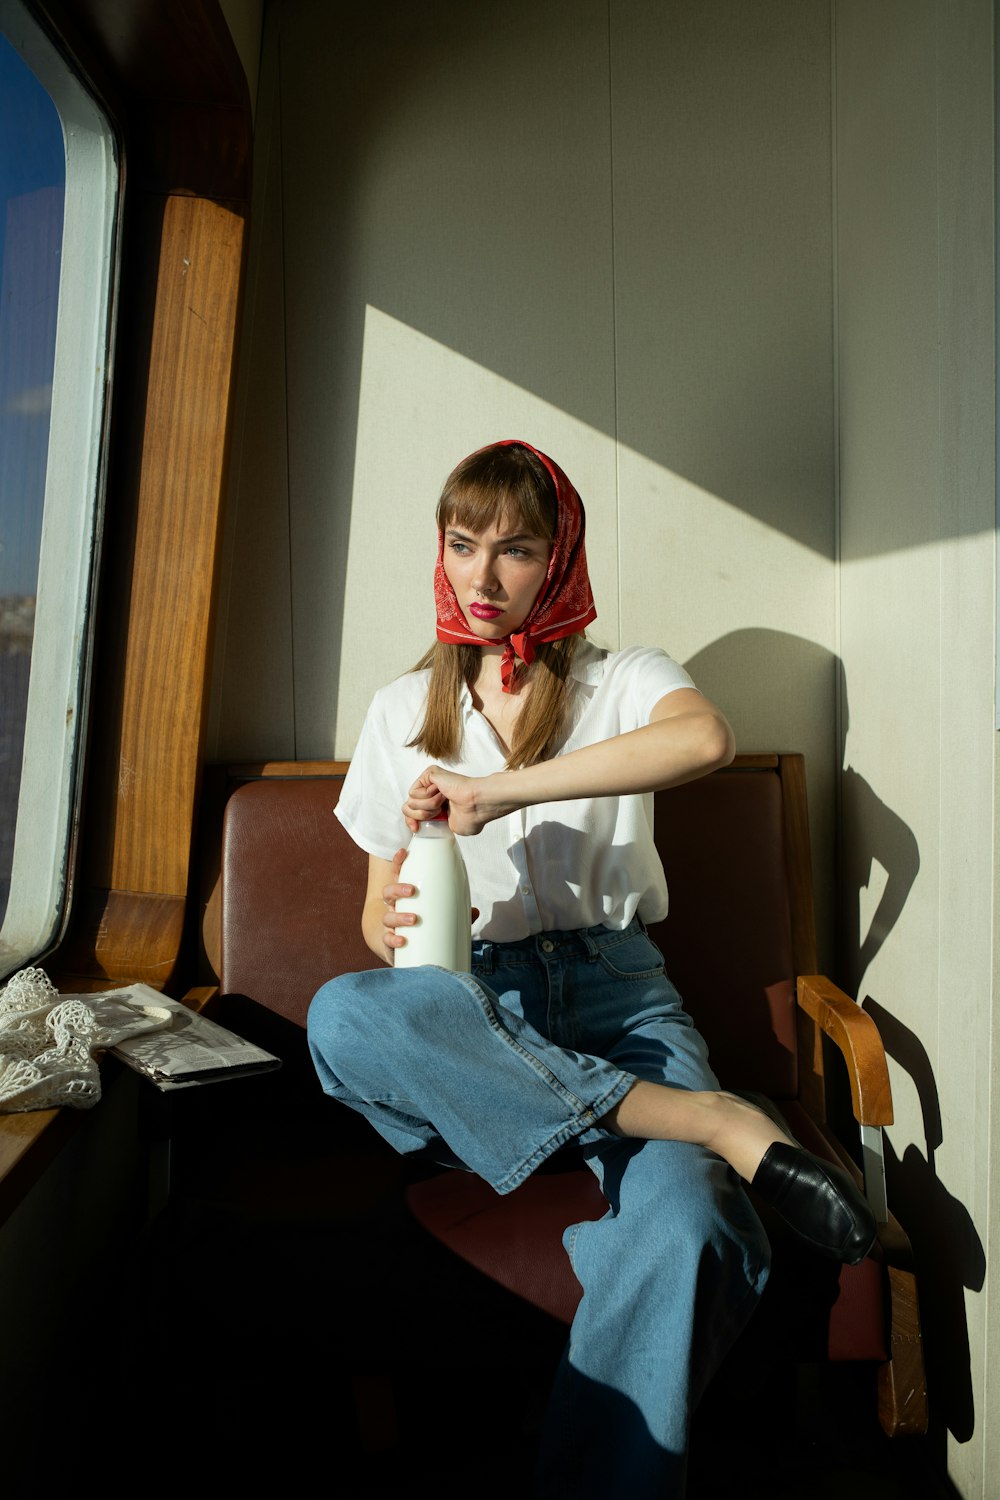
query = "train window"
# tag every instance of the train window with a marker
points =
(58, 215)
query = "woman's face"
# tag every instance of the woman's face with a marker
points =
(496, 575)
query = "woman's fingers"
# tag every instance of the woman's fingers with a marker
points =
(434, 789)
(421, 805)
(391, 893)
(394, 927)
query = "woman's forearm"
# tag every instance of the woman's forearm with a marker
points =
(662, 754)
(373, 929)
(672, 748)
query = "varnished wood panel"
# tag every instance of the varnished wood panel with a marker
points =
(252, 769)
(902, 1383)
(177, 530)
(121, 937)
(159, 600)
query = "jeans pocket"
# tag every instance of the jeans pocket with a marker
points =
(634, 957)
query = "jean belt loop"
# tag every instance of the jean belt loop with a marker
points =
(486, 960)
(593, 952)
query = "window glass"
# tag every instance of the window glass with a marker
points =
(32, 181)
(58, 215)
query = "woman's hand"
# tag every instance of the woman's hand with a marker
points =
(383, 926)
(472, 801)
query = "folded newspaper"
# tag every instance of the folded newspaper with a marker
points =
(190, 1051)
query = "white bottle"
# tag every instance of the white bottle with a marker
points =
(442, 933)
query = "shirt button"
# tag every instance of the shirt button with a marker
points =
(548, 946)
(526, 890)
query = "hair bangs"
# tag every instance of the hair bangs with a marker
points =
(504, 486)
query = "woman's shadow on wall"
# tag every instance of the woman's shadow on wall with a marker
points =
(782, 687)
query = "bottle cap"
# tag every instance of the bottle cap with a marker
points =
(437, 824)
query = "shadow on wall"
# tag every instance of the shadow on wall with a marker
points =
(870, 833)
(779, 691)
(948, 1252)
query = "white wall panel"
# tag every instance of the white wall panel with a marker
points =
(724, 366)
(917, 379)
(446, 168)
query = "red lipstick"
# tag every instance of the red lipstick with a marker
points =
(485, 611)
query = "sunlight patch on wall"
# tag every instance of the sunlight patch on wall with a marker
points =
(671, 564)
(696, 567)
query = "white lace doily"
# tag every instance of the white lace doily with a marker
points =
(47, 1043)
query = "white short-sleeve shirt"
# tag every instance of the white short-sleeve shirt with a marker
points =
(554, 867)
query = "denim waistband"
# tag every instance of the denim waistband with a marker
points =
(583, 942)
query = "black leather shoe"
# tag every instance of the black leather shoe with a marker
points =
(819, 1200)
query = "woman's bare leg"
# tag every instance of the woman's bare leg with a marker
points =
(820, 1201)
(736, 1130)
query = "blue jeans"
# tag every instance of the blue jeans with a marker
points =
(503, 1067)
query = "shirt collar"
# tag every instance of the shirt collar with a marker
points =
(586, 668)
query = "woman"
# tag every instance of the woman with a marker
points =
(545, 752)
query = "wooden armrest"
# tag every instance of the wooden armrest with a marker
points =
(29, 1140)
(200, 997)
(856, 1036)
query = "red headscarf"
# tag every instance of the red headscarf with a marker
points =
(564, 604)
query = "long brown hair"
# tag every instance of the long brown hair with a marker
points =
(507, 484)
